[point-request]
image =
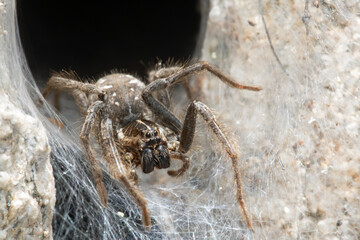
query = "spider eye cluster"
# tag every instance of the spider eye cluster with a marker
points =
(149, 134)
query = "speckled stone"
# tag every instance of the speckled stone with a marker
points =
(27, 191)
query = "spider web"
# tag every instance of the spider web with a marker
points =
(297, 139)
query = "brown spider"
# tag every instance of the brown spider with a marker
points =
(118, 110)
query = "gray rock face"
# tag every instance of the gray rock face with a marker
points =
(299, 136)
(27, 192)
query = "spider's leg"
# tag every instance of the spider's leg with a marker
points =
(202, 65)
(166, 72)
(81, 101)
(166, 117)
(184, 167)
(121, 171)
(186, 140)
(161, 111)
(57, 100)
(68, 85)
(85, 137)
(78, 90)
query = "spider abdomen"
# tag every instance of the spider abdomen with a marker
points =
(124, 102)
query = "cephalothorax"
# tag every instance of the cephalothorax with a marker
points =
(134, 127)
(147, 143)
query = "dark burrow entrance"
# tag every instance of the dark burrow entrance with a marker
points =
(92, 37)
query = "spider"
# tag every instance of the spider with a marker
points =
(134, 126)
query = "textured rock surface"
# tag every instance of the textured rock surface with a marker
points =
(26, 181)
(308, 118)
(27, 191)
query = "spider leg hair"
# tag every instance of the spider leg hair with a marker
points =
(184, 167)
(187, 136)
(162, 83)
(63, 83)
(121, 171)
(79, 90)
(85, 138)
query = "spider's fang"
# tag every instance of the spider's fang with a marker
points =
(163, 156)
(147, 162)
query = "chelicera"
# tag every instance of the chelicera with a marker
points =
(134, 126)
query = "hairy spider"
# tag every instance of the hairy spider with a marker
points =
(134, 127)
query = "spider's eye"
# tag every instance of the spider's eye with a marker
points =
(148, 135)
(155, 133)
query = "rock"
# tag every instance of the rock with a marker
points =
(27, 192)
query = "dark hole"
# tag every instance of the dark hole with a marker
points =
(93, 37)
